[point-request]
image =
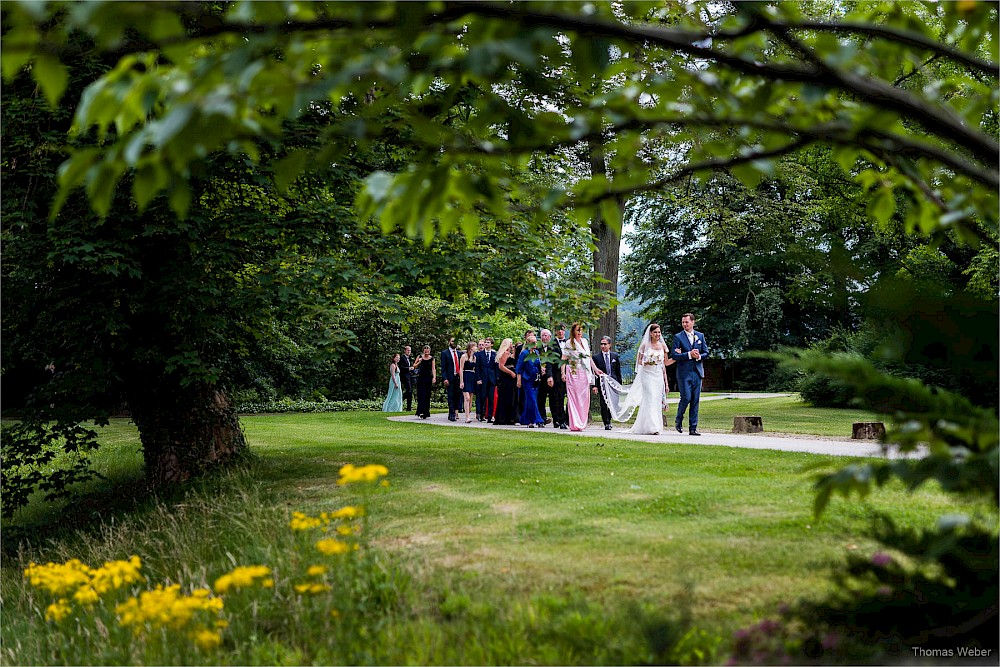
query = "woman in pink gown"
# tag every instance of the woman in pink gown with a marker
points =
(578, 372)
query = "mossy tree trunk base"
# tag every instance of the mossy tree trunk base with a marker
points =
(186, 431)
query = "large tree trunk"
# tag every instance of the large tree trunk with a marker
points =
(608, 244)
(185, 430)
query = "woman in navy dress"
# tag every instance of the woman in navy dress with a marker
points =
(468, 380)
(529, 374)
(426, 373)
(506, 384)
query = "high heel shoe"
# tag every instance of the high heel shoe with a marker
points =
(468, 421)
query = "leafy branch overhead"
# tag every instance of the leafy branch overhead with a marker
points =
(906, 93)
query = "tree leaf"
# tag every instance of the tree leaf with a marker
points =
(882, 205)
(51, 76)
(289, 168)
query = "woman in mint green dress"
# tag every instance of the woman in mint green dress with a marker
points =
(394, 401)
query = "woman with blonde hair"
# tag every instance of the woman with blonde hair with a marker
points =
(506, 413)
(578, 373)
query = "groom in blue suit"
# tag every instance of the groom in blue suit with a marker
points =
(688, 350)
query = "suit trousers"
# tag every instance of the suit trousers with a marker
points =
(455, 401)
(487, 399)
(407, 383)
(689, 387)
(544, 394)
(605, 410)
(557, 403)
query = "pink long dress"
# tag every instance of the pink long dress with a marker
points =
(578, 385)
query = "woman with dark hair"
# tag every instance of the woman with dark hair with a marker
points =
(394, 399)
(426, 376)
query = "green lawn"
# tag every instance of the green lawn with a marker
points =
(503, 518)
(781, 415)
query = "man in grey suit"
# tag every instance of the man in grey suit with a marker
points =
(688, 350)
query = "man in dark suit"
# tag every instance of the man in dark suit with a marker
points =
(688, 350)
(452, 382)
(405, 364)
(553, 387)
(486, 380)
(607, 360)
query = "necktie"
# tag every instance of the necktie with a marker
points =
(607, 362)
(454, 357)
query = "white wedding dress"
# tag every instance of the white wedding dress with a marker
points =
(647, 393)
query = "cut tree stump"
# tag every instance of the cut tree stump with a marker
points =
(748, 424)
(868, 431)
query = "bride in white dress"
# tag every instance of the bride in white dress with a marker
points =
(648, 391)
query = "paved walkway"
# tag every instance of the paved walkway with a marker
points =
(785, 443)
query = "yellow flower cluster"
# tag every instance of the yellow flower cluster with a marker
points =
(166, 607)
(302, 521)
(74, 576)
(332, 547)
(244, 577)
(351, 474)
(83, 583)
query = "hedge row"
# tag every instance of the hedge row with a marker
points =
(290, 405)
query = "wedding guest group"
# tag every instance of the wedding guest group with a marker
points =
(525, 382)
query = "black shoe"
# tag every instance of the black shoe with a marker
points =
(694, 433)
(607, 427)
(489, 421)
(563, 426)
(680, 429)
(531, 426)
(548, 420)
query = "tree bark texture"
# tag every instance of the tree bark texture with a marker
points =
(185, 430)
(608, 242)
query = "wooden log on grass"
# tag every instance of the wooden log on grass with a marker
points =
(748, 424)
(868, 431)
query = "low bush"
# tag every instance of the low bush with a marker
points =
(283, 405)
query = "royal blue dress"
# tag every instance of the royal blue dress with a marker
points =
(529, 368)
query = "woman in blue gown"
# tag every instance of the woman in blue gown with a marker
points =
(394, 399)
(529, 373)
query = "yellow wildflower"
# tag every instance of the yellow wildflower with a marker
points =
(331, 547)
(165, 607)
(348, 530)
(349, 512)
(350, 474)
(301, 521)
(86, 595)
(58, 610)
(207, 639)
(58, 578)
(316, 570)
(243, 577)
(311, 588)
(117, 573)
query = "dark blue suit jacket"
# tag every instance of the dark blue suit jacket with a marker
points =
(448, 370)
(689, 367)
(486, 371)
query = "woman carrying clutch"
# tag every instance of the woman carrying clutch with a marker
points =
(394, 399)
